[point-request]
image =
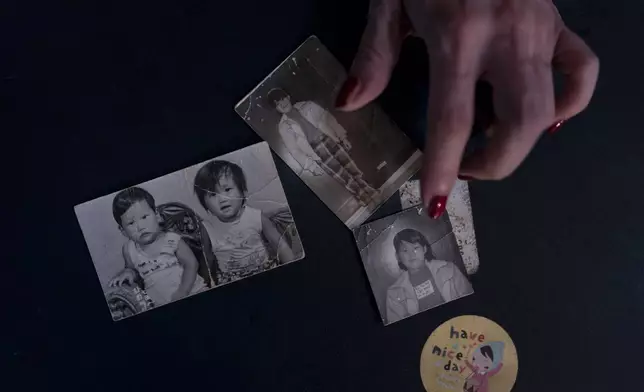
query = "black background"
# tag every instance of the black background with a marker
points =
(97, 96)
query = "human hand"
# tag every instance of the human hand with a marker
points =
(126, 276)
(514, 45)
(346, 144)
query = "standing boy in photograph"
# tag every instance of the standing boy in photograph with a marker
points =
(238, 233)
(162, 259)
(316, 140)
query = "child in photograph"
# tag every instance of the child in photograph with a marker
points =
(425, 282)
(487, 361)
(162, 259)
(316, 140)
(239, 232)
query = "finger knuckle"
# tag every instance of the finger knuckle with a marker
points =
(368, 54)
(455, 25)
(468, 25)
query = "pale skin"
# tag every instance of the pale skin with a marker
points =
(140, 223)
(514, 45)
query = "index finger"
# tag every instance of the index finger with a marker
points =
(450, 118)
(456, 47)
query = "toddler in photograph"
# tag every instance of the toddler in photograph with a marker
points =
(240, 234)
(162, 259)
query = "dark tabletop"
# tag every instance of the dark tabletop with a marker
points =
(109, 94)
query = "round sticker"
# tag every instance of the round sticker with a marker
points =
(469, 354)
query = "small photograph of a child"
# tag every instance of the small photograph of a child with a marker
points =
(352, 161)
(413, 263)
(190, 231)
(240, 235)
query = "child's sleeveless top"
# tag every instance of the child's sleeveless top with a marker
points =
(238, 245)
(161, 272)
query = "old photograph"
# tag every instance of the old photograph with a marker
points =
(352, 161)
(190, 231)
(459, 209)
(413, 263)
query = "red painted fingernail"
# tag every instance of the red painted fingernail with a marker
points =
(465, 178)
(348, 88)
(555, 127)
(437, 206)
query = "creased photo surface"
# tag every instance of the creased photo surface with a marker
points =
(413, 263)
(190, 231)
(352, 161)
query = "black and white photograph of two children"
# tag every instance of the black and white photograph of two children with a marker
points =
(352, 161)
(190, 231)
(413, 263)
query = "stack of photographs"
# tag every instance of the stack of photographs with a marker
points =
(228, 218)
(354, 162)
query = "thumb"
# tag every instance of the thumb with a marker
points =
(376, 57)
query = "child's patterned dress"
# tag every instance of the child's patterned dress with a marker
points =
(239, 246)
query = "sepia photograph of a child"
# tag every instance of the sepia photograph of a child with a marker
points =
(189, 231)
(352, 161)
(413, 263)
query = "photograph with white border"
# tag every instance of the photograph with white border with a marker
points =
(190, 231)
(413, 263)
(353, 161)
